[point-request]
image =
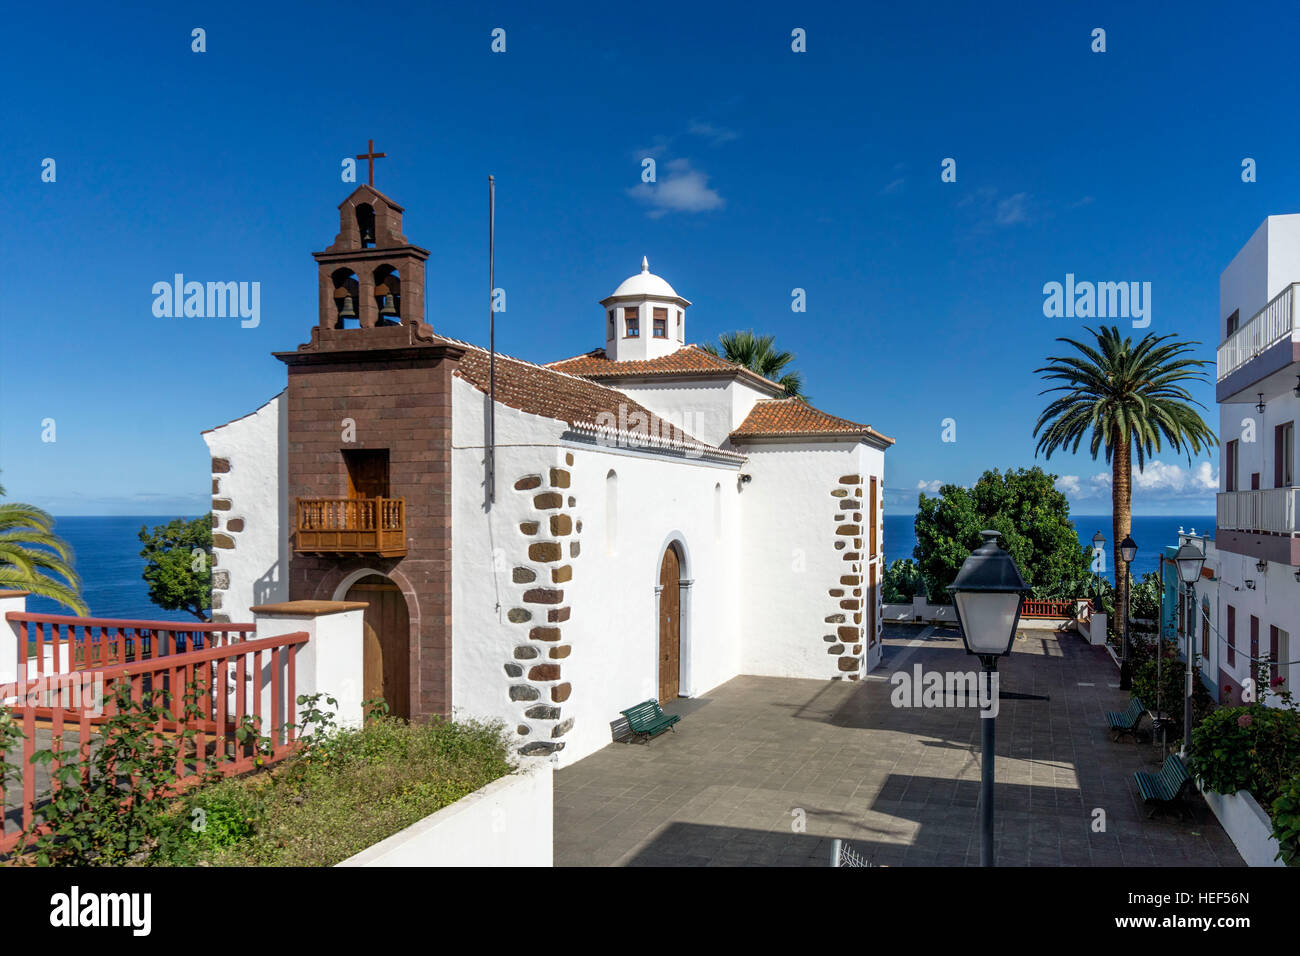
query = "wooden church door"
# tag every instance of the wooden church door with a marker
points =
(386, 655)
(670, 630)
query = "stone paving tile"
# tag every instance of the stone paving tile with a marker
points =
(767, 771)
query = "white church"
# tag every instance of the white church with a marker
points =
(545, 544)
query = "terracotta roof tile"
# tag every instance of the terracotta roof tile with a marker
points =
(539, 390)
(687, 360)
(790, 417)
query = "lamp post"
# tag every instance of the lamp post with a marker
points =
(1098, 547)
(1128, 550)
(988, 593)
(1189, 559)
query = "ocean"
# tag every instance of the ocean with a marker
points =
(1151, 532)
(106, 553)
(107, 556)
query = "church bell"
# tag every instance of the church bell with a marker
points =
(347, 309)
(387, 301)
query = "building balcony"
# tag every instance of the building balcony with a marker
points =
(351, 526)
(1260, 356)
(1260, 523)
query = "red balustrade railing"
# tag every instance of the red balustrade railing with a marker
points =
(59, 644)
(226, 687)
(1034, 608)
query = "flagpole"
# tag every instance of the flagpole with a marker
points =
(492, 347)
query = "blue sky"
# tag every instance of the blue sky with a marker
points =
(816, 170)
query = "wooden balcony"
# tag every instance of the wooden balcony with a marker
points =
(352, 526)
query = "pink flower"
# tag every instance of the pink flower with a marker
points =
(1277, 682)
(1245, 720)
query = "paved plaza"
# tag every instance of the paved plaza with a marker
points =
(767, 771)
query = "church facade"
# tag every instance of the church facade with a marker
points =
(545, 544)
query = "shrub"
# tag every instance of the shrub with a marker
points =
(902, 582)
(1172, 687)
(1286, 823)
(1252, 747)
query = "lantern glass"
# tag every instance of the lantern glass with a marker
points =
(988, 619)
(1190, 560)
(1129, 549)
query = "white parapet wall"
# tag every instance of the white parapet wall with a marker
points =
(506, 823)
(1246, 824)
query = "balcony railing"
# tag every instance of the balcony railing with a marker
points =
(352, 526)
(1266, 511)
(1270, 325)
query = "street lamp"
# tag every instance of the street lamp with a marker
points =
(988, 593)
(1189, 559)
(1128, 550)
(1098, 547)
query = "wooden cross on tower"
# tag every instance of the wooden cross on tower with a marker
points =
(370, 156)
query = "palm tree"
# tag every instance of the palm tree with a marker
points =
(1121, 396)
(33, 558)
(757, 353)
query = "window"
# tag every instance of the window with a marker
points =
(1254, 643)
(1205, 631)
(1284, 455)
(1232, 322)
(681, 332)
(1232, 635)
(1230, 466)
(661, 323)
(611, 512)
(1274, 645)
(871, 514)
(612, 325)
(632, 323)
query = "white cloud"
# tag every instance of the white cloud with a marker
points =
(1158, 481)
(1069, 485)
(929, 487)
(1012, 210)
(716, 135)
(682, 189)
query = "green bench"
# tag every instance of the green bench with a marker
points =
(1165, 790)
(647, 720)
(1126, 722)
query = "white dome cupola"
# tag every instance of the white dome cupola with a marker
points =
(645, 318)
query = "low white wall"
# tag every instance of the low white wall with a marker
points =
(507, 823)
(1246, 823)
(898, 613)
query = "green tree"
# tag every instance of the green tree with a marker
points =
(1121, 396)
(1024, 505)
(33, 558)
(902, 582)
(759, 354)
(178, 557)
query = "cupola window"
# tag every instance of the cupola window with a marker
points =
(661, 323)
(632, 323)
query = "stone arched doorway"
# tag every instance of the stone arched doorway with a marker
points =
(387, 651)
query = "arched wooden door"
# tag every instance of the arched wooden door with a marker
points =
(670, 625)
(387, 651)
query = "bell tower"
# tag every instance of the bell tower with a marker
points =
(371, 277)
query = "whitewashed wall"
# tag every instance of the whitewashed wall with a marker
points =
(507, 823)
(1275, 600)
(789, 558)
(709, 411)
(255, 571)
(1266, 264)
(613, 628)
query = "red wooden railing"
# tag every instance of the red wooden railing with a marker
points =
(57, 644)
(238, 682)
(1034, 608)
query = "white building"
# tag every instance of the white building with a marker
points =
(642, 521)
(1258, 390)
